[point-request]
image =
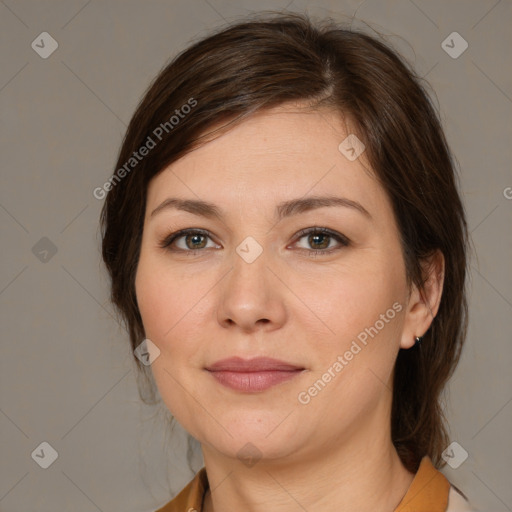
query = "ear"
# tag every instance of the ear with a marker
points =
(423, 304)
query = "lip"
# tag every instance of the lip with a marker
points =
(252, 375)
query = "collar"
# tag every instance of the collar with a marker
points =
(428, 491)
(191, 498)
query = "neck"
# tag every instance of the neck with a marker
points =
(357, 475)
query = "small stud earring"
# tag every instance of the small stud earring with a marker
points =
(418, 340)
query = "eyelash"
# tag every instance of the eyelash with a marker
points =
(166, 242)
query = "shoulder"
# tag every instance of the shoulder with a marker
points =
(457, 502)
(190, 499)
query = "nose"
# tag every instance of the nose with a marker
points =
(251, 297)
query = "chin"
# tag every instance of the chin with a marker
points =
(254, 436)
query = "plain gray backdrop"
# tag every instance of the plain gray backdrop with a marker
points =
(66, 374)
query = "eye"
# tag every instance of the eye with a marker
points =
(320, 240)
(188, 240)
(317, 241)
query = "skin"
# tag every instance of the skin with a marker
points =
(335, 452)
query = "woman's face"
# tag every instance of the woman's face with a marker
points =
(329, 305)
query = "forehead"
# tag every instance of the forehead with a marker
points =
(274, 155)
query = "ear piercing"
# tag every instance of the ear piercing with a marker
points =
(418, 340)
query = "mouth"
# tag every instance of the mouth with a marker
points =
(253, 375)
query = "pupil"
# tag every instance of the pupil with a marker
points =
(196, 241)
(320, 240)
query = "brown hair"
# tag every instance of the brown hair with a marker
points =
(264, 62)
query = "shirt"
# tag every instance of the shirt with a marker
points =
(429, 491)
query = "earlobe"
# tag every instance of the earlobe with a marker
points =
(424, 302)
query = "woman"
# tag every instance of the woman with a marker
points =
(285, 233)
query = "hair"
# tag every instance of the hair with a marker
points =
(266, 61)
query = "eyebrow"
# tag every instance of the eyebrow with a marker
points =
(284, 209)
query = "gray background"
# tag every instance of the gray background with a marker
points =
(66, 372)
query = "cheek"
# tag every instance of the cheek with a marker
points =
(169, 312)
(164, 298)
(354, 362)
(361, 304)
(351, 298)
(175, 310)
